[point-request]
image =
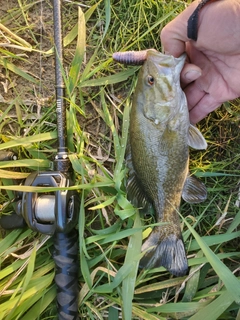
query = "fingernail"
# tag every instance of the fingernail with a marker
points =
(192, 75)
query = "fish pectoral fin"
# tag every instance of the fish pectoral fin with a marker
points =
(168, 252)
(194, 190)
(196, 139)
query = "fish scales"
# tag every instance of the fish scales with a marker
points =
(160, 136)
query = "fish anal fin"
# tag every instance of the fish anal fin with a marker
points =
(194, 190)
(196, 139)
(168, 253)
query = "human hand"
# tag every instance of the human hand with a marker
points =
(212, 74)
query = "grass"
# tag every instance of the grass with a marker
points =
(98, 94)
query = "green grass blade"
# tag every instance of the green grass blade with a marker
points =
(79, 53)
(193, 282)
(42, 301)
(214, 240)
(160, 285)
(182, 307)
(38, 286)
(107, 5)
(230, 281)
(113, 313)
(112, 237)
(109, 121)
(26, 281)
(104, 204)
(132, 259)
(38, 163)
(235, 223)
(28, 140)
(82, 246)
(215, 308)
(123, 142)
(12, 175)
(10, 239)
(115, 78)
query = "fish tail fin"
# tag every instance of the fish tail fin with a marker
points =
(167, 251)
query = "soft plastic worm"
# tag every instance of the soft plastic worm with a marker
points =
(131, 57)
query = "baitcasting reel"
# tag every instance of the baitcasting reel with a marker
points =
(48, 212)
(51, 212)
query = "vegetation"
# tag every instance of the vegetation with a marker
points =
(98, 94)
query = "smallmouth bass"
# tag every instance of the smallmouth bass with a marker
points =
(158, 156)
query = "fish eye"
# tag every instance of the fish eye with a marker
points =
(150, 80)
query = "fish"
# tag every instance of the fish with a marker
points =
(160, 134)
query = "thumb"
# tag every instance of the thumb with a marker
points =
(174, 34)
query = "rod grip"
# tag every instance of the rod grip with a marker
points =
(65, 256)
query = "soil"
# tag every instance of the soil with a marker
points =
(35, 63)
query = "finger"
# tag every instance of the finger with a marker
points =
(206, 105)
(190, 73)
(194, 94)
(174, 34)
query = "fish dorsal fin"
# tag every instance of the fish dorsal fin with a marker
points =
(196, 139)
(194, 190)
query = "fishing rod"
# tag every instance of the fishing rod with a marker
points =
(54, 213)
